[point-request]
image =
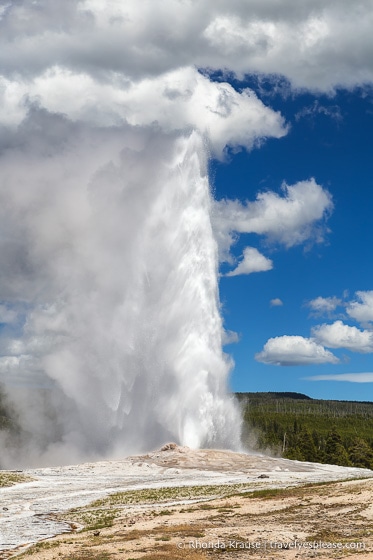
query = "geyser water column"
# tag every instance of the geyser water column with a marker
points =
(178, 373)
(113, 337)
(152, 363)
(119, 328)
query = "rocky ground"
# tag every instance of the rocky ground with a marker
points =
(178, 503)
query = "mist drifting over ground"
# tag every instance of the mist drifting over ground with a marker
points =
(111, 334)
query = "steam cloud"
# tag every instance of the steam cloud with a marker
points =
(111, 337)
(109, 269)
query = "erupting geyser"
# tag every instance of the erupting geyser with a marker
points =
(122, 344)
(111, 336)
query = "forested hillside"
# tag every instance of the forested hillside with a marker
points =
(295, 426)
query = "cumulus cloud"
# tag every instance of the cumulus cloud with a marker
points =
(180, 100)
(230, 337)
(303, 45)
(312, 43)
(296, 216)
(7, 315)
(362, 309)
(321, 305)
(349, 377)
(252, 261)
(340, 335)
(276, 302)
(294, 351)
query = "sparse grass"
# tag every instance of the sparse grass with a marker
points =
(328, 535)
(10, 478)
(267, 494)
(133, 535)
(178, 493)
(166, 494)
(183, 530)
(38, 547)
(296, 491)
(171, 552)
(93, 519)
(88, 555)
(334, 482)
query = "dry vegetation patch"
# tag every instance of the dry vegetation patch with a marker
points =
(330, 513)
(8, 478)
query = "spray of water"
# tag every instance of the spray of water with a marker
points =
(119, 345)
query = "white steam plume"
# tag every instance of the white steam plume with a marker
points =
(109, 260)
(109, 286)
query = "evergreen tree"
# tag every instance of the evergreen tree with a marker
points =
(361, 454)
(295, 454)
(307, 446)
(335, 451)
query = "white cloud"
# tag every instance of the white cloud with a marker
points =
(305, 45)
(362, 310)
(252, 261)
(334, 111)
(230, 337)
(314, 44)
(3, 9)
(350, 377)
(290, 219)
(321, 305)
(180, 100)
(276, 302)
(7, 315)
(340, 335)
(294, 351)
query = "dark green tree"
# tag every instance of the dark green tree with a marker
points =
(295, 454)
(307, 445)
(361, 454)
(335, 451)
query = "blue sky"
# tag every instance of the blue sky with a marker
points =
(330, 139)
